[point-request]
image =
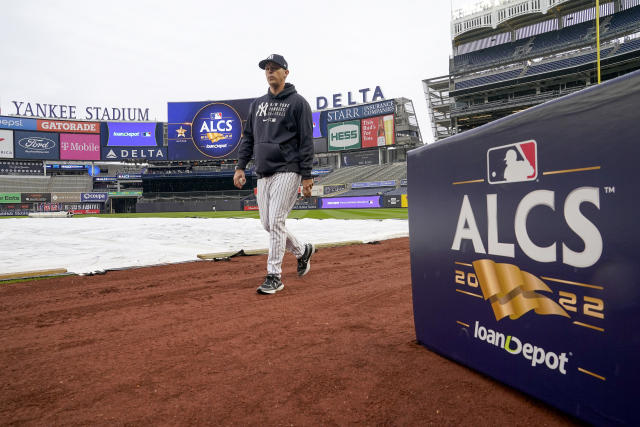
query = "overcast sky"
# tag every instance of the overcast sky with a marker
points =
(144, 54)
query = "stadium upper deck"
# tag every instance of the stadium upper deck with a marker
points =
(522, 53)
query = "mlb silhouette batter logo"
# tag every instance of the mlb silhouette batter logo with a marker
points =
(512, 163)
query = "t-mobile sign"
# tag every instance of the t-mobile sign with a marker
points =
(76, 146)
(351, 202)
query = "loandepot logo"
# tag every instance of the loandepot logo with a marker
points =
(511, 344)
(512, 292)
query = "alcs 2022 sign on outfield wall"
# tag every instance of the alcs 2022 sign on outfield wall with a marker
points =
(206, 130)
(524, 250)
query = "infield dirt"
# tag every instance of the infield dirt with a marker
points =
(193, 343)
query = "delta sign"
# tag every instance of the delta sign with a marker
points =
(524, 256)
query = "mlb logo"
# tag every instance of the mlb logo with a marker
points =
(216, 116)
(146, 133)
(512, 163)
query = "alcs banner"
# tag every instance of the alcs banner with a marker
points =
(524, 250)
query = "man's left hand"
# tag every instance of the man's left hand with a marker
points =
(307, 185)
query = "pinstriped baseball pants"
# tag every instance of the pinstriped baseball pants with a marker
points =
(276, 196)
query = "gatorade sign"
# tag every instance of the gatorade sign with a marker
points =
(524, 260)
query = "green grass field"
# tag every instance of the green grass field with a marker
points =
(381, 213)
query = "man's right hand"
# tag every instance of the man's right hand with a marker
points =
(239, 179)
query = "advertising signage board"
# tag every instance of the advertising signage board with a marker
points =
(360, 158)
(317, 132)
(133, 176)
(65, 197)
(363, 111)
(128, 134)
(351, 202)
(524, 260)
(10, 198)
(94, 197)
(68, 126)
(7, 122)
(35, 197)
(6, 144)
(36, 145)
(374, 184)
(206, 130)
(76, 146)
(142, 153)
(344, 135)
(137, 141)
(378, 131)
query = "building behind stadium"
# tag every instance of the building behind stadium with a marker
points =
(509, 55)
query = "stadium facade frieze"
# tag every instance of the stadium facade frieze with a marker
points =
(208, 130)
(73, 112)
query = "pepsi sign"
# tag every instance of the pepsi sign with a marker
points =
(206, 130)
(7, 122)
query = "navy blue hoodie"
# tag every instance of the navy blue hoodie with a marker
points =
(279, 131)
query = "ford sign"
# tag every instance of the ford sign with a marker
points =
(36, 144)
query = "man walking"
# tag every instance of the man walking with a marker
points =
(279, 131)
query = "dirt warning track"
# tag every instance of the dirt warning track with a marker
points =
(194, 344)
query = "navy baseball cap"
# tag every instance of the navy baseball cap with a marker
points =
(276, 59)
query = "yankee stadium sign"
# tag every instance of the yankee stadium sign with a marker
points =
(73, 112)
(524, 259)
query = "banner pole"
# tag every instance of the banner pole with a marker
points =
(598, 37)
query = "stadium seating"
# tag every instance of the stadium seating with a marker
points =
(114, 170)
(392, 171)
(557, 39)
(625, 19)
(628, 47)
(563, 63)
(47, 184)
(367, 173)
(371, 191)
(574, 35)
(488, 79)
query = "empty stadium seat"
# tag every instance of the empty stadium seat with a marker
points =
(574, 35)
(488, 79)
